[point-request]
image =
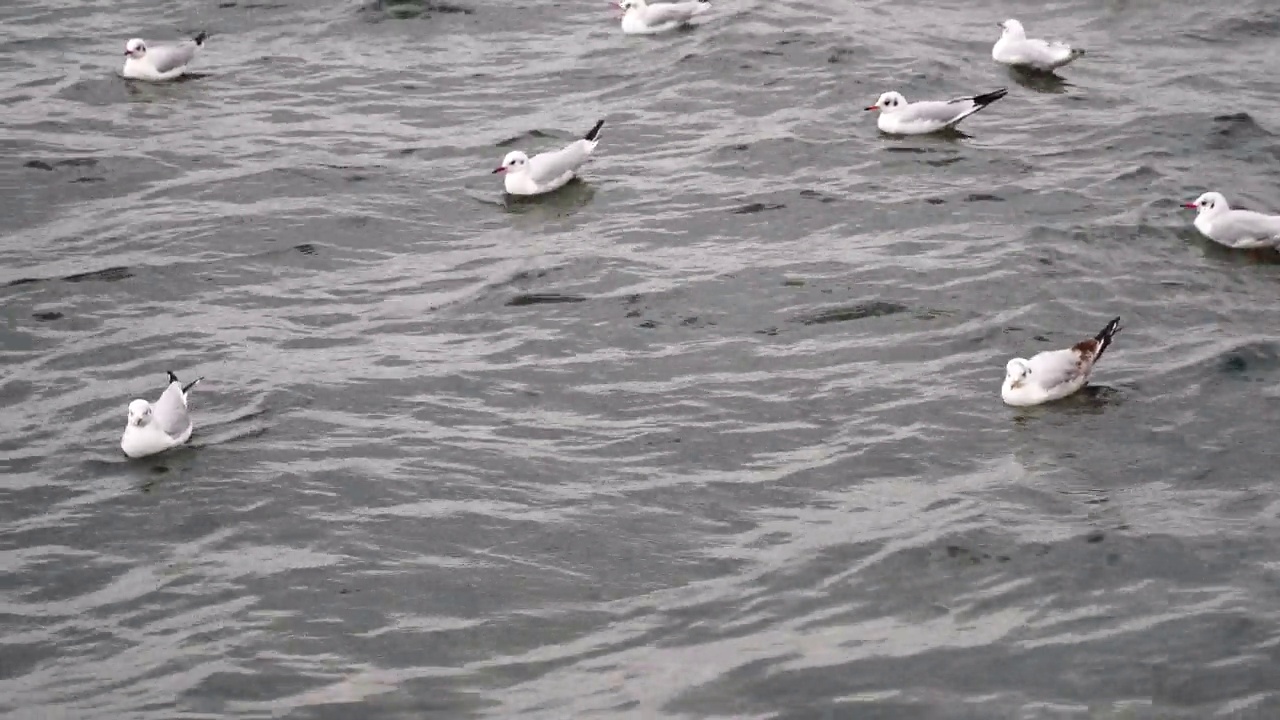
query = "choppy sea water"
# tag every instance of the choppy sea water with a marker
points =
(713, 433)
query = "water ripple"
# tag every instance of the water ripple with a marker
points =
(713, 432)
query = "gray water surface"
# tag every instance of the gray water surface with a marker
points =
(714, 432)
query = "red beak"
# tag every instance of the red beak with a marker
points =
(874, 107)
(1189, 205)
(501, 169)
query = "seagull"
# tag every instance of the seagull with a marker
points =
(1054, 374)
(643, 18)
(159, 62)
(156, 428)
(898, 117)
(1013, 48)
(1241, 229)
(547, 171)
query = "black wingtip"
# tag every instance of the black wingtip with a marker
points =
(187, 388)
(1112, 328)
(201, 38)
(1104, 337)
(594, 132)
(988, 98)
(172, 378)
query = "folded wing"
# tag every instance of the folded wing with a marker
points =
(663, 13)
(939, 113)
(1253, 229)
(170, 411)
(1057, 368)
(171, 57)
(1042, 53)
(548, 166)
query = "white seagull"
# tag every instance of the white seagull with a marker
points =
(898, 117)
(156, 428)
(1241, 229)
(1054, 374)
(547, 171)
(644, 18)
(159, 62)
(1013, 48)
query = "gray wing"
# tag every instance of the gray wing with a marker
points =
(171, 57)
(1040, 52)
(551, 165)
(170, 411)
(1252, 229)
(939, 112)
(662, 13)
(1056, 367)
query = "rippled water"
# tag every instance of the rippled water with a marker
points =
(715, 432)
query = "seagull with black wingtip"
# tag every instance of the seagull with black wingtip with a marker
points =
(156, 427)
(1055, 374)
(158, 63)
(1015, 49)
(899, 117)
(1239, 229)
(547, 171)
(640, 17)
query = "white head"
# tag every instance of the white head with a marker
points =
(1210, 202)
(1012, 29)
(890, 101)
(135, 48)
(627, 6)
(514, 162)
(1016, 371)
(139, 412)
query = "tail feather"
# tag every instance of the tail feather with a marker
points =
(1071, 56)
(199, 39)
(986, 99)
(594, 132)
(1104, 337)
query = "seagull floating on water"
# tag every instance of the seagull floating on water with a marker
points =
(898, 117)
(643, 18)
(1240, 229)
(547, 171)
(159, 62)
(1015, 49)
(1054, 374)
(156, 428)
